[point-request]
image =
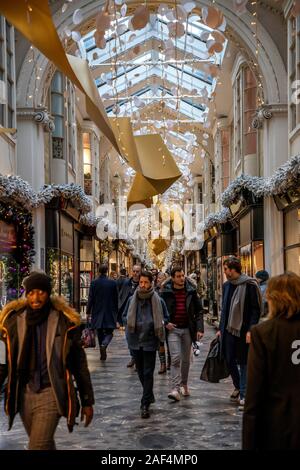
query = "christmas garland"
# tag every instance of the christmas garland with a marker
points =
(285, 177)
(72, 192)
(15, 189)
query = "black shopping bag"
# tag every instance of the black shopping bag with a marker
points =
(215, 367)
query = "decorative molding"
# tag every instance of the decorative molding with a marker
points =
(39, 115)
(45, 118)
(266, 112)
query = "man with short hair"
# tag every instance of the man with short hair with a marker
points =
(44, 355)
(103, 307)
(241, 307)
(146, 316)
(127, 290)
(185, 326)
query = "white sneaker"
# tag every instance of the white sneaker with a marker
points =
(241, 404)
(184, 391)
(174, 395)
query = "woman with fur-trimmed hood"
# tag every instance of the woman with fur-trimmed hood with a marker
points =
(43, 355)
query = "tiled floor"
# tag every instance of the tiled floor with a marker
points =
(206, 420)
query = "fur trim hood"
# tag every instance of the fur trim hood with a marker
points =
(59, 303)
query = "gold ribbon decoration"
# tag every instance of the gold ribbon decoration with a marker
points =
(158, 169)
(158, 246)
(33, 19)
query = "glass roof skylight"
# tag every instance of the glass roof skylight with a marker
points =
(147, 67)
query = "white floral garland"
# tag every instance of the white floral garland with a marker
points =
(15, 189)
(73, 192)
(284, 178)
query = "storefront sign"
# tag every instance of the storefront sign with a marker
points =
(8, 238)
(66, 235)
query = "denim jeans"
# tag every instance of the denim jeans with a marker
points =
(238, 373)
(145, 365)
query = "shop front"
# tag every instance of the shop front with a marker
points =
(226, 245)
(251, 240)
(63, 249)
(89, 267)
(16, 250)
(289, 203)
(211, 243)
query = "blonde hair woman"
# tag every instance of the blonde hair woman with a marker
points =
(272, 407)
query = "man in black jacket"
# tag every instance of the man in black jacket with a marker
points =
(103, 306)
(41, 335)
(185, 326)
(241, 307)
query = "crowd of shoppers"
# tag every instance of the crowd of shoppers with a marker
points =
(259, 333)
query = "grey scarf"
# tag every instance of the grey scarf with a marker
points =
(157, 312)
(236, 312)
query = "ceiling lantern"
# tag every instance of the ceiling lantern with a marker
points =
(141, 17)
(211, 17)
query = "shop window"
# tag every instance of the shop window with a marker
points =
(249, 104)
(238, 119)
(213, 183)
(7, 74)
(292, 227)
(225, 149)
(57, 111)
(292, 260)
(246, 261)
(294, 70)
(87, 164)
(71, 123)
(292, 240)
(200, 193)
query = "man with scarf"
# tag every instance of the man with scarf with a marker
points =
(146, 316)
(241, 308)
(43, 356)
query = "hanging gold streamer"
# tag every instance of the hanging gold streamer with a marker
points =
(33, 19)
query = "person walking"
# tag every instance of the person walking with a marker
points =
(185, 326)
(120, 282)
(127, 290)
(145, 316)
(262, 278)
(241, 309)
(164, 366)
(272, 406)
(103, 307)
(44, 355)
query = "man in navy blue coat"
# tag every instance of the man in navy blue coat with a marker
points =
(103, 306)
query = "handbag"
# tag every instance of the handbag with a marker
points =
(88, 337)
(215, 367)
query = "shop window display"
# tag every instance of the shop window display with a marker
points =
(252, 257)
(16, 250)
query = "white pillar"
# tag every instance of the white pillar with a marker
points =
(273, 119)
(30, 166)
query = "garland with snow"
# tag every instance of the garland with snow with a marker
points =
(15, 189)
(285, 177)
(73, 192)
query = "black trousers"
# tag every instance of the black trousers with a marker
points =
(145, 365)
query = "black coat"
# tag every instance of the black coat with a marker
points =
(272, 408)
(193, 306)
(126, 290)
(103, 303)
(252, 312)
